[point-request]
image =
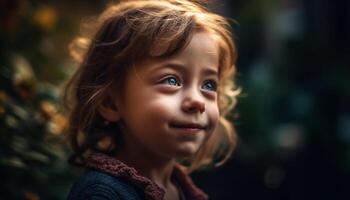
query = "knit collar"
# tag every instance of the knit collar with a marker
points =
(151, 190)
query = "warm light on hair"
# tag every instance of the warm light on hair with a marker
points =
(130, 31)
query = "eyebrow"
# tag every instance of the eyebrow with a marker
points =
(182, 68)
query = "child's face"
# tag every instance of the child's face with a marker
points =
(170, 106)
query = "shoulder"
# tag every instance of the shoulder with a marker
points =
(97, 185)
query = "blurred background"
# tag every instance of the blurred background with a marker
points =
(292, 118)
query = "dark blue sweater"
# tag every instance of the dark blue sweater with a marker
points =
(96, 185)
(109, 178)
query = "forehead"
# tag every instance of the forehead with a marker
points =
(203, 45)
(202, 50)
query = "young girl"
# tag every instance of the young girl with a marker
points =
(149, 99)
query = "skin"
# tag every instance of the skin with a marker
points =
(168, 110)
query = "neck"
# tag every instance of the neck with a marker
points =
(156, 168)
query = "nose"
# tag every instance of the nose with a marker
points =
(193, 102)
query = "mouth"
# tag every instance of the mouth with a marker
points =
(187, 126)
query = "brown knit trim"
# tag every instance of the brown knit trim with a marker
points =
(190, 189)
(151, 190)
(116, 168)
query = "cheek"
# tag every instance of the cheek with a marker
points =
(152, 108)
(213, 114)
(161, 108)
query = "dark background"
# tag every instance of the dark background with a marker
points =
(292, 118)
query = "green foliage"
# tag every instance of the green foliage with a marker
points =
(33, 147)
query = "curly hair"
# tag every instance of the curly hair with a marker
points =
(130, 31)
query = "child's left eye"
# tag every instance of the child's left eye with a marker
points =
(209, 85)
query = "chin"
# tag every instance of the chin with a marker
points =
(186, 151)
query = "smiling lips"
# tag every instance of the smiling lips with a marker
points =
(191, 127)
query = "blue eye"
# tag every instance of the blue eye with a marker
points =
(171, 81)
(209, 85)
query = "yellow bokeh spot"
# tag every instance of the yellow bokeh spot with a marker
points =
(45, 17)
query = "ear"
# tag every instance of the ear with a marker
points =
(109, 111)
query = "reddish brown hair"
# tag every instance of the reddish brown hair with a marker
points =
(130, 31)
